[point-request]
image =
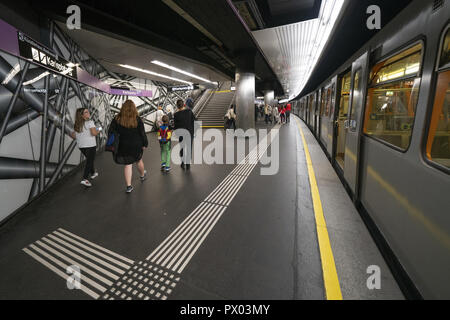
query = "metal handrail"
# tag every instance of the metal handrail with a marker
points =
(205, 102)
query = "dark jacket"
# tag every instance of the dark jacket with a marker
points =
(185, 119)
(131, 142)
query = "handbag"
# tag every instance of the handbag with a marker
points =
(112, 144)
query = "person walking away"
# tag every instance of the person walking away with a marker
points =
(283, 115)
(190, 103)
(165, 143)
(184, 119)
(85, 133)
(231, 118)
(267, 111)
(132, 142)
(288, 113)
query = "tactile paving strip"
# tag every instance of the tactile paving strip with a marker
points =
(143, 281)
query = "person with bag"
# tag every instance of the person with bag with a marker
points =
(129, 129)
(85, 133)
(164, 137)
(230, 117)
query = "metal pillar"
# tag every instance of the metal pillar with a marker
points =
(245, 99)
(44, 138)
(269, 97)
(13, 101)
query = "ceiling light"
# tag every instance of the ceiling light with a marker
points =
(39, 77)
(14, 71)
(164, 65)
(153, 73)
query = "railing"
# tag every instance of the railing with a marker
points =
(203, 101)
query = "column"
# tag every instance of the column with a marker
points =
(245, 99)
(269, 97)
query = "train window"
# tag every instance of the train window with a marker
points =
(392, 98)
(345, 94)
(322, 103)
(405, 64)
(438, 144)
(330, 94)
(444, 61)
(356, 94)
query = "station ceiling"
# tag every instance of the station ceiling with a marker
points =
(222, 33)
(353, 26)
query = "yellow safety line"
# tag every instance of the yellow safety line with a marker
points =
(224, 91)
(330, 276)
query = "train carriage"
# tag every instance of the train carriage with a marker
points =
(383, 118)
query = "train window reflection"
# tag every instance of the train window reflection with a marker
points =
(405, 64)
(438, 146)
(355, 96)
(392, 98)
(445, 56)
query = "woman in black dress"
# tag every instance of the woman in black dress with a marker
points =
(132, 141)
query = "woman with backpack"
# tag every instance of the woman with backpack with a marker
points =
(132, 141)
(85, 133)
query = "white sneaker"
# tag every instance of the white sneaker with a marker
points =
(86, 183)
(95, 175)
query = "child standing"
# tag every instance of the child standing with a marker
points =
(85, 133)
(164, 138)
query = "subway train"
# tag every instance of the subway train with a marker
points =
(383, 120)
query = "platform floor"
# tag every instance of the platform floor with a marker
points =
(202, 243)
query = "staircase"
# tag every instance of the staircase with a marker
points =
(212, 114)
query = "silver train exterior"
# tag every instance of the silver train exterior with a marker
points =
(382, 155)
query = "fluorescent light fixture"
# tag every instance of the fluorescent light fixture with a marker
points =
(39, 77)
(164, 65)
(301, 45)
(14, 71)
(283, 101)
(153, 73)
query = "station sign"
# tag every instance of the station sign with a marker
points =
(30, 49)
(123, 91)
(184, 88)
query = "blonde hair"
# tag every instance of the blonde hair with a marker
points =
(128, 115)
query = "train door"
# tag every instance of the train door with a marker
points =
(317, 115)
(306, 109)
(320, 104)
(311, 111)
(353, 124)
(341, 115)
(329, 116)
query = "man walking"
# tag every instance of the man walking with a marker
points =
(184, 119)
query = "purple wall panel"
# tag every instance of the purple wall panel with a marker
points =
(8, 38)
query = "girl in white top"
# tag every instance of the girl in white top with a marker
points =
(85, 133)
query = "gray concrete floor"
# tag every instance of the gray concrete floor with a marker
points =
(263, 247)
